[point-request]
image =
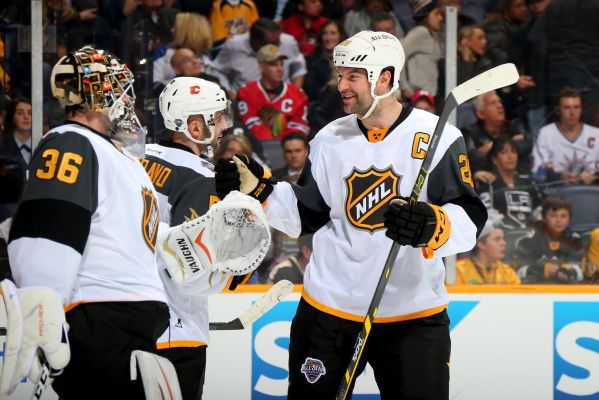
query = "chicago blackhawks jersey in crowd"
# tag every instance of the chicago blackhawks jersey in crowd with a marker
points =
(88, 222)
(272, 116)
(185, 185)
(564, 155)
(345, 188)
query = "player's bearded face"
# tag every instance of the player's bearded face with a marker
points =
(355, 90)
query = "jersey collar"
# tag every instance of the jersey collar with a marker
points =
(102, 135)
(174, 145)
(377, 135)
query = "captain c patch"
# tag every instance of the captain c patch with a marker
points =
(313, 369)
(368, 194)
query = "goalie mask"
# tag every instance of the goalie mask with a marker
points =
(372, 51)
(186, 96)
(98, 81)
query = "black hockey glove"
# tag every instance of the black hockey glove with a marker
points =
(418, 225)
(226, 176)
(255, 180)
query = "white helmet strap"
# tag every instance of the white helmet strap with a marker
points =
(376, 98)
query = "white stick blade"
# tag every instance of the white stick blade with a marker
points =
(274, 295)
(501, 76)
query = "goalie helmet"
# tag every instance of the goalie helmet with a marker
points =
(186, 96)
(98, 81)
(372, 51)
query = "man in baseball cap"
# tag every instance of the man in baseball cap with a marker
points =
(424, 100)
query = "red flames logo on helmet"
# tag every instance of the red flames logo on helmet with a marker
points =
(195, 89)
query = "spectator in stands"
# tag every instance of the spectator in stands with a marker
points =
(423, 100)
(528, 53)
(270, 107)
(88, 26)
(320, 63)
(236, 61)
(500, 26)
(515, 195)
(572, 58)
(567, 150)
(295, 152)
(231, 17)
(423, 50)
(591, 270)
(15, 153)
(292, 268)
(551, 254)
(485, 265)
(232, 144)
(386, 22)
(463, 19)
(472, 46)
(304, 23)
(191, 31)
(146, 28)
(361, 17)
(491, 123)
(185, 63)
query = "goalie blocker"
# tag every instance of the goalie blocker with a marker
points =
(232, 237)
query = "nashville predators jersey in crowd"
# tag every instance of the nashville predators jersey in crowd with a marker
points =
(350, 177)
(185, 185)
(231, 17)
(88, 222)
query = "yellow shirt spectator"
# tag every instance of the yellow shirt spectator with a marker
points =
(472, 272)
(231, 17)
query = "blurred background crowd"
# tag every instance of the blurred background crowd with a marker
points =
(533, 147)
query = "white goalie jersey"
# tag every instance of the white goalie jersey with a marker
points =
(345, 188)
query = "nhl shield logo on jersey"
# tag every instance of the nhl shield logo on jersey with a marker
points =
(313, 369)
(368, 193)
(151, 217)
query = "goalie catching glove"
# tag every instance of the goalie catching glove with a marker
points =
(232, 237)
(243, 173)
(35, 322)
(418, 225)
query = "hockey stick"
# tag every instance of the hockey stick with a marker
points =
(495, 78)
(270, 299)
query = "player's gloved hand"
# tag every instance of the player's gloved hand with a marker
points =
(226, 177)
(418, 225)
(255, 180)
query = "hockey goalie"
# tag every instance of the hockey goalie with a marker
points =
(232, 237)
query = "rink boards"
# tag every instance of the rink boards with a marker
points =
(527, 342)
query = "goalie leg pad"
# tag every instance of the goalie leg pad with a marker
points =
(35, 320)
(157, 374)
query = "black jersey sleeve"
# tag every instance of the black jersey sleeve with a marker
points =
(451, 182)
(192, 199)
(62, 192)
(314, 211)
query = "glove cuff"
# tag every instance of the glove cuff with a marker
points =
(442, 229)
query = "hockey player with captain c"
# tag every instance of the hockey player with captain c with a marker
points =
(357, 164)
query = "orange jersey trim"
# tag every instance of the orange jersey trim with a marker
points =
(180, 343)
(466, 289)
(360, 318)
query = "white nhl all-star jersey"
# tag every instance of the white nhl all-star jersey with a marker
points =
(345, 188)
(576, 156)
(87, 223)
